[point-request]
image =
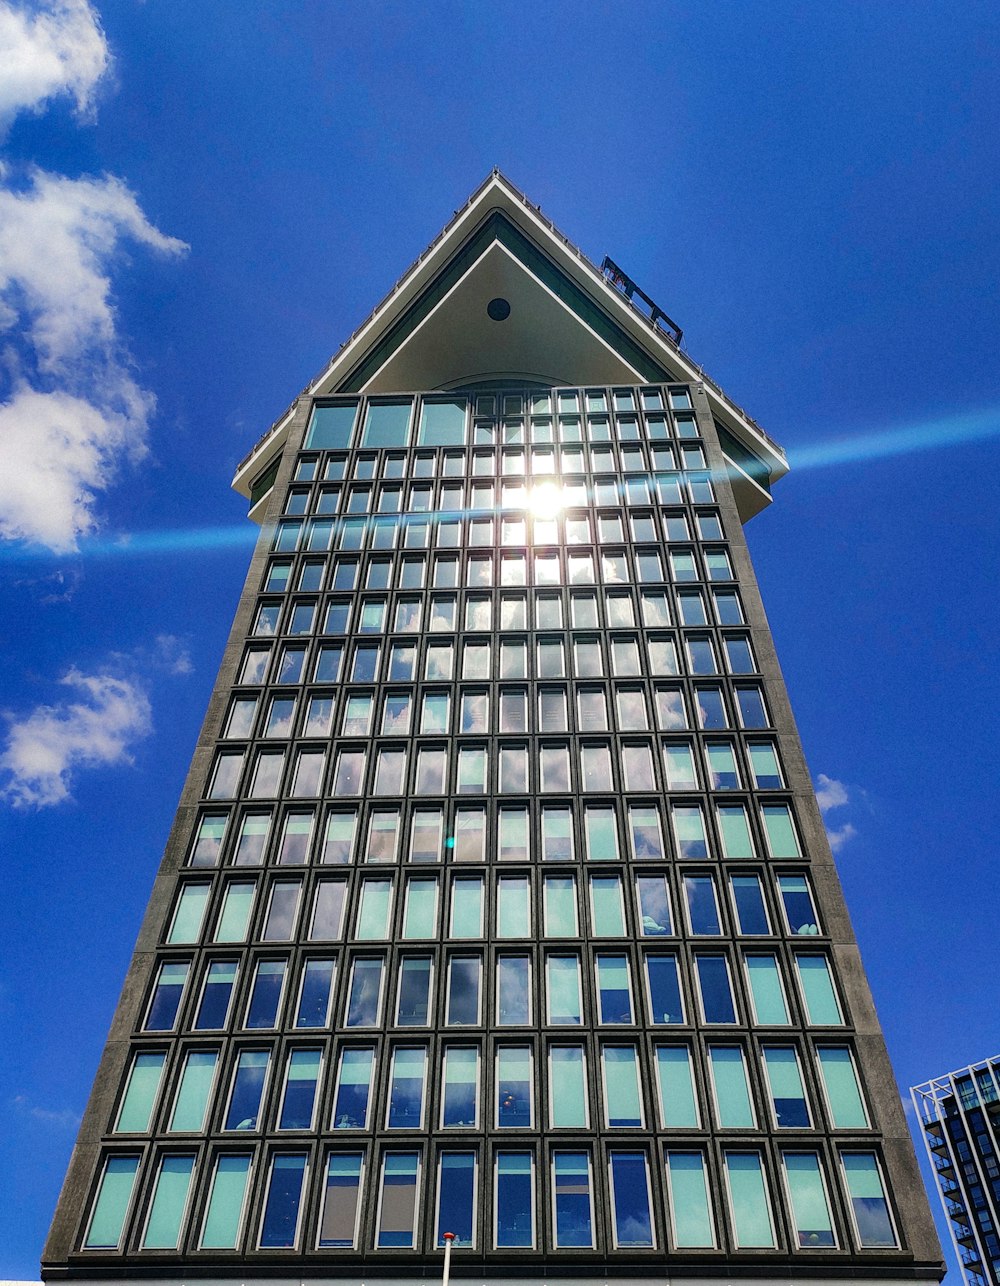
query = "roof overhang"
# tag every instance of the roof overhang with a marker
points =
(567, 326)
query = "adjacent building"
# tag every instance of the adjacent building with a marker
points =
(498, 902)
(960, 1118)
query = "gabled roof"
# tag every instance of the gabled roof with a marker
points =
(566, 325)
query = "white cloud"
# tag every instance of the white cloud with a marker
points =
(830, 793)
(51, 49)
(838, 838)
(73, 413)
(173, 654)
(64, 1118)
(95, 728)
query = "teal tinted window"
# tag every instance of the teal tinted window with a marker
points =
(843, 1093)
(748, 1199)
(225, 1201)
(868, 1202)
(386, 424)
(765, 990)
(689, 1208)
(189, 913)
(193, 1091)
(788, 1098)
(622, 1102)
(810, 1208)
(817, 990)
(568, 1087)
(330, 426)
(608, 912)
(442, 423)
(140, 1094)
(732, 1094)
(169, 1201)
(111, 1206)
(678, 1104)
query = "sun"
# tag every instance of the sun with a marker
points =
(545, 500)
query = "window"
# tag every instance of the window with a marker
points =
(226, 1201)
(622, 1097)
(226, 777)
(514, 1201)
(782, 840)
(111, 1205)
(460, 1091)
(467, 908)
(559, 917)
(607, 911)
(352, 1095)
(678, 762)
(141, 1091)
(678, 1101)
(721, 761)
(734, 831)
(513, 991)
(592, 709)
(307, 775)
(554, 767)
(406, 1089)
(299, 1098)
(630, 705)
(470, 835)
(217, 992)
(715, 989)
(796, 899)
(601, 830)
(420, 908)
(241, 715)
(571, 1199)
(662, 658)
(247, 1091)
(689, 830)
(514, 1080)
(315, 993)
(568, 1087)
(557, 834)
(631, 1219)
(279, 922)
(730, 1090)
(207, 843)
(702, 905)
(512, 845)
(766, 992)
(338, 844)
(390, 771)
(688, 1201)
(869, 1205)
(470, 778)
(644, 832)
(432, 764)
(365, 995)
(664, 990)
(565, 1006)
(764, 765)
(748, 900)
(840, 1085)
(637, 764)
(654, 905)
(330, 426)
(427, 825)
(788, 1098)
(711, 708)
(341, 1201)
(282, 1209)
(266, 780)
(614, 989)
(194, 1091)
(700, 655)
(748, 1203)
(513, 907)
(818, 993)
(456, 1209)
(807, 1195)
(739, 655)
(413, 999)
(386, 425)
(265, 994)
(464, 981)
(166, 998)
(349, 771)
(189, 913)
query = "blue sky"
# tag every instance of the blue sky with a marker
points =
(199, 203)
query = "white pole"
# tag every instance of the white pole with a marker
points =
(449, 1237)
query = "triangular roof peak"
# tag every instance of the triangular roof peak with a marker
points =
(502, 294)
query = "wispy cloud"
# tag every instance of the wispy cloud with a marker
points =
(102, 717)
(831, 794)
(73, 412)
(48, 50)
(172, 655)
(63, 1119)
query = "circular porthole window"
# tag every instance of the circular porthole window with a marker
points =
(498, 309)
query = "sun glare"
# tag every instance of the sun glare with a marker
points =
(546, 500)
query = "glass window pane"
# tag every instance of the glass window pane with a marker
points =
(515, 1079)
(189, 913)
(729, 1083)
(457, 1197)
(406, 1089)
(140, 1094)
(560, 906)
(341, 1203)
(265, 994)
(467, 908)
(665, 1003)
(716, 992)
(766, 991)
(513, 991)
(114, 1195)
(460, 1092)
(301, 1078)
(810, 1208)
(818, 991)
(690, 1212)
(748, 898)
(328, 912)
(788, 1098)
(413, 1001)
(386, 424)
(614, 992)
(353, 1092)
(515, 1200)
(796, 899)
(398, 1200)
(572, 1213)
(654, 906)
(170, 1194)
(843, 1094)
(748, 1199)
(631, 1218)
(464, 974)
(601, 831)
(365, 994)
(513, 907)
(567, 1087)
(315, 994)
(194, 1090)
(373, 912)
(678, 1102)
(780, 829)
(280, 1225)
(237, 904)
(248, 1088)
(563, 985)
(420, 914)
(622, 1099)
(868, 1200)
(330, 426)
(734, 831)
(226, 1200)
